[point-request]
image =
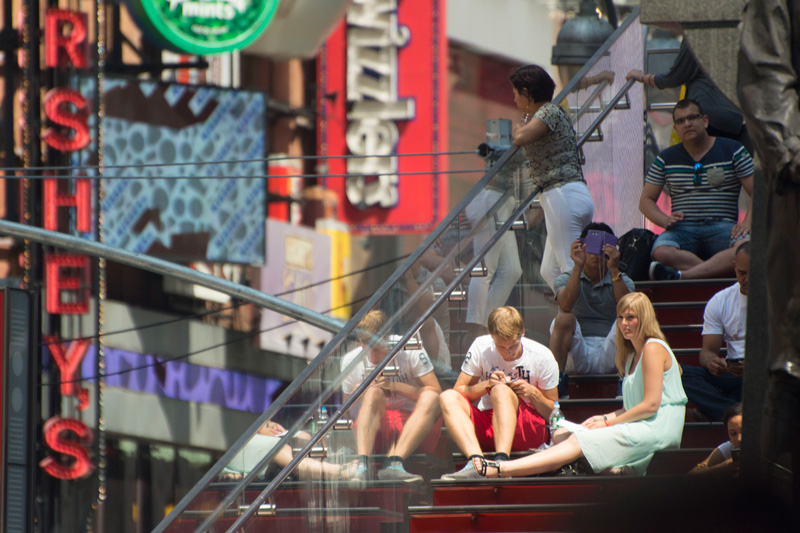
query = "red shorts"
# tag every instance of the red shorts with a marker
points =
(393, 422)
(530, 433)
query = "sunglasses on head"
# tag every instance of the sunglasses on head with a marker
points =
(698, 179)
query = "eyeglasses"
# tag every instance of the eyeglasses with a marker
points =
(679, 121)
(698, 179)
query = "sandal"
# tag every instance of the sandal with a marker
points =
(484, 465)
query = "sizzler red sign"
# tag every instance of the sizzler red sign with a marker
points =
(383, 93)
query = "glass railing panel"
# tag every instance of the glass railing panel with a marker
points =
(612, 154)
(398, 350)
(318, 486)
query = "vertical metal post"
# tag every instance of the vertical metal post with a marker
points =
(31, 135)
(99, 64)
(10, 39)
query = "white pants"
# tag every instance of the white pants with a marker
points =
(591, 355)
(567, 210)
(502, 261)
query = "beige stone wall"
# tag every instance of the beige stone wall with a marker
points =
(712, 28)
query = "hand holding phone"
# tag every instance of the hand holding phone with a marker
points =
(596, 239)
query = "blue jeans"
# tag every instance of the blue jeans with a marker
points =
(703, 238)
(712, 394)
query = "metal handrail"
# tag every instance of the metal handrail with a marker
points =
(355, 396)
(586, 105)
(316, 363)
(336, 384)
(605, 112)
(235, 290)
(319, 360)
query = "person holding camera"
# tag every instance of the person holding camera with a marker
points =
(585, 326)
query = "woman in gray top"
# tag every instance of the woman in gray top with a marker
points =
(548, 138)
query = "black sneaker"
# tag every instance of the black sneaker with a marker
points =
(563, 386)
(659, 272)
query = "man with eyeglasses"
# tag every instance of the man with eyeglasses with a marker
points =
(704, 175)
(514, 380)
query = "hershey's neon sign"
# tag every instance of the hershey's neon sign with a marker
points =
(373, 40)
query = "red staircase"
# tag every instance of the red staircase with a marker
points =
(543, 503)
(552, 503)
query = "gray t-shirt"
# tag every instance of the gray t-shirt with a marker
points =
(596, 307)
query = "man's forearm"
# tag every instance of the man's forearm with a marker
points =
(653, 213)
(569, 294)
(472, 392)
(706, 357)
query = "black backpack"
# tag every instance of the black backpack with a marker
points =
(634, 253)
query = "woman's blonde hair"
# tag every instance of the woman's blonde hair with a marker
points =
(649, 328)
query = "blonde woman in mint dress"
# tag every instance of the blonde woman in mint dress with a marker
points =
(653, 410)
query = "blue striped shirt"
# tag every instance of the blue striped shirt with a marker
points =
(717, 193)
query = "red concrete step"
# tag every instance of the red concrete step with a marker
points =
(388, 496)
(676, 461)
(579, 409)
(593, 386)
(679, 313)
(691, 356)
(684, 336)
(683, 290)
(519, 491)
(492, 518)
(703, 434)
(300, 520)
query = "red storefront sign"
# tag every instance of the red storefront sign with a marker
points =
(67, 276)
(66, 46)
(382, 91)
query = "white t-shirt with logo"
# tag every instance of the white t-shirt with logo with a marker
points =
(536, 365)
(726, 315)
(411, 365)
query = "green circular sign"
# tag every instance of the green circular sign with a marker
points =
(204, 26)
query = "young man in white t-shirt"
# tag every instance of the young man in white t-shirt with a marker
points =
(397, 414)
(515, 380)
(717, 383)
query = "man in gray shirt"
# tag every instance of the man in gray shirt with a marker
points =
(587, 299)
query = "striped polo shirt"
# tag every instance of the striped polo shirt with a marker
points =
(716, 195)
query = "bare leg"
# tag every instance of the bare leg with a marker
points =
(456, 412)
(418, 424)
(370, 417)
(561, 435)
(676, 258)
(544, 461)
(561, 338)
(504, 420)
(719, 265)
